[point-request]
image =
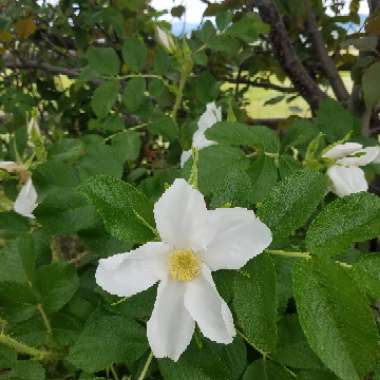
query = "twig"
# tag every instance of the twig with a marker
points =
(146, 367)
(23, 348)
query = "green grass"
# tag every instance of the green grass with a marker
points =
(256, 98)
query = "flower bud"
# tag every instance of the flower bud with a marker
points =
(165, 39)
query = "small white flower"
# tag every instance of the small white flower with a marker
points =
(26, 200)
(165, 39)
(346, 175)
(195, 242)
(212, 115)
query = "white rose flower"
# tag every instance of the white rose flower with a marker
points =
(195, 242)
(26, 200)
(346, 175)
(212, 115)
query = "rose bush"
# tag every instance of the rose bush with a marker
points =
(150, 229)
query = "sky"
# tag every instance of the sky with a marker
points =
(195, 8)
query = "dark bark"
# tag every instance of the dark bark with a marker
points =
(261, 84)
(287, 55)
(326, 62)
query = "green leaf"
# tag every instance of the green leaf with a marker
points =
(127, 145)
(344, 121)
(263, 175)
(134, 54)
(64, 212)
(350, 219)
(134, 94)
(165, 127)
(12, 225)
(214, 162)
(18, 301)
(7, 357)
(27, 370)
(316, 375)
(99, 159)
(266, 370)
(104, 98)
(371, 90)
(234, 133)
(206, 87)
(288, 206)
(211, 361)
(300, 134)
(366, 273)
(248, 28)
(255, 302)
(337, 321)
(112, 124)
(126, 212)
(17, 260)
(292, 349)
(108, 339)
(104, 61)
(287, 165)
(56, 283)
(235, 190)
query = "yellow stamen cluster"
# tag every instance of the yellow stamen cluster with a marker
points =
(184, 265)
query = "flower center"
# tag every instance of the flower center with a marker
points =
(183, 265)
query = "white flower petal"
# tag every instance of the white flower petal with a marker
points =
(9, 166)
(26, 201)
(342, 150)
(200, 141)
(377, 159)
(236, 236)
(346, 181)
(208, 309)
(170, 326)
(126, 274)
(361, 157)
(180, 216)
(212, 115)
(186, 154)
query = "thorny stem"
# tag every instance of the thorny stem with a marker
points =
(146, 366)
(23, 348)
(185, 72)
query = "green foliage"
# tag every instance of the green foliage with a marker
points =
(207, 362)
(104, 98)
(290, 204)
(107, 339)
(344, 121)
(337, 320)
(103, 60)
(266, 370)
(97, 113)
(134, 54)
(134, 94)
(233, 133)
(370, 90)
(126, 212)
(347, 220)
(255, 303)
